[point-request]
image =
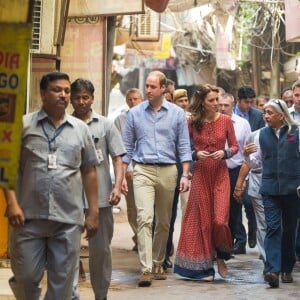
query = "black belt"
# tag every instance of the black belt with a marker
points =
(155, 164)
(256, 171)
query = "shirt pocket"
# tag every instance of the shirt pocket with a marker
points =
(34, 149)
(70, 156)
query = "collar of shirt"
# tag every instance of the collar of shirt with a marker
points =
(244, 115)
(165, 104)
(295, 115)
(93, 117)
(292, 108)
(277, 131)
(42, 115)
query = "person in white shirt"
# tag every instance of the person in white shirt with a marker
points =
(242, 131)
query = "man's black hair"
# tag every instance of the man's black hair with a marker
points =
(80, 85)
(287, 88)
(245, 92)
(47, 78)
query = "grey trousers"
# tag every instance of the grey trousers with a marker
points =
(261, 224)
(100, 258)
(44, 245)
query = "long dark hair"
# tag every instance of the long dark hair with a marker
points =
(196, 107)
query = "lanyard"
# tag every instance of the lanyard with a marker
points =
(57, 133)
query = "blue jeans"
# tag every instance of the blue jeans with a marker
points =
(281, 219)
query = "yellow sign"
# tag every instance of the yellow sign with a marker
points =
(14, 50)
(166, 46)
(14, 11)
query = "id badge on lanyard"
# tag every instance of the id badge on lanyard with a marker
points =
(52, 158)
(52, 161)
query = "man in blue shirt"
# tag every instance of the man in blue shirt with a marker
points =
(156, 132)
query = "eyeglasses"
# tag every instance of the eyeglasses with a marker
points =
(279, 104)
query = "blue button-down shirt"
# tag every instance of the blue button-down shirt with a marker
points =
(156, 137)
(241, 114)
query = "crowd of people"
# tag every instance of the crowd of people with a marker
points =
(213, 152)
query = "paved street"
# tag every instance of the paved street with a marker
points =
(245, 280)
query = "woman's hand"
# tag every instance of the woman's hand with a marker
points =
(217, 154)
(202, 155)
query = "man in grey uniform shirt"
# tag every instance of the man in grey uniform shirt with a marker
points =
(108, 142)
(46, 213)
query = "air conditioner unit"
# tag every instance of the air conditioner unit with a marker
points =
(46, 26)
(145, 27)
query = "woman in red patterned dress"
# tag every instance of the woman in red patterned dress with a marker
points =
(205, 234)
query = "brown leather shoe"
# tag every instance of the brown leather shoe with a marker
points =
(286, 278)
(273, 279)
(145, 279)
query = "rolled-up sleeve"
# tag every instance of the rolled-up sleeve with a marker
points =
(183, 146)
(254, 160)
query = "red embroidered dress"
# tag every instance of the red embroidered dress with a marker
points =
(205, 233)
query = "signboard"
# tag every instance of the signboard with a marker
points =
(166, 47)
(80, 8)
(14, 11)
(14, 49)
